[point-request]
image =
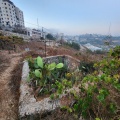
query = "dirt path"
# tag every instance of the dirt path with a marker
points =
(8, 90)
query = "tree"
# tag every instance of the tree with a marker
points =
(74, 45)
(50, 37)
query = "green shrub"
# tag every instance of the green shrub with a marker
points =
(73, 45)
(99, 92)
(86, 67)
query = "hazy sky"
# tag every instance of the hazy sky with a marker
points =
(73, 16)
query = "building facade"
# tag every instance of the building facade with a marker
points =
(10, 15)
(36, 33)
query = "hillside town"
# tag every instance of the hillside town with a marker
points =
(47, 74)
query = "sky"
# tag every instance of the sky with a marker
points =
(72, 17)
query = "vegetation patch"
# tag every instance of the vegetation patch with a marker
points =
(9, 42)
(96, 94)
(99, 91)
(74, 45)
(47, 79)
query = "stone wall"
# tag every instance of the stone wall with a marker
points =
(29, 107)
(71, 62)
(8, 33)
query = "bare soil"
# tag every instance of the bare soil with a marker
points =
(9, 86)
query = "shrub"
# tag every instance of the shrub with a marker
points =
(73, 45)
(99, 52)
(99, 92)
(86, 67)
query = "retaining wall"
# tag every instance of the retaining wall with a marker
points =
(29, 108)
(8, 33)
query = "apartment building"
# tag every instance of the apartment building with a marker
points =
(10, 15)
(19, 17)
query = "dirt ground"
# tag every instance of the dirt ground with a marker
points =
(10, 76)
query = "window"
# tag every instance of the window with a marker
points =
(5, 7)
(7, 23)
(5, 3)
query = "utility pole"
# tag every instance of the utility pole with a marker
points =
(42, 33)
(62, 38)
(44, 41)
(38, 26)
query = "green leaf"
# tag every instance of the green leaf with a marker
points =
(52, 66)
(117, 86)
(112, 108)
(101, 97)
(35, 64)
(64, 108)
(76, 107)
(39, 62)
(83, 67)
(60, 65)
(37, 73)
(52, 96)
(97, 118)
(70, 110)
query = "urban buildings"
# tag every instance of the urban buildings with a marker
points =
(10, 15)
(12, 19)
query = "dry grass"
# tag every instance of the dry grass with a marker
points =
(4, 60)
(58, 114)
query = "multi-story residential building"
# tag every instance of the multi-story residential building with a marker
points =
(10, 15)
(19, 16)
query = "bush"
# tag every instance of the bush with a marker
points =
(99, 92)
(73, 45)
(97, 96)
(99, 52)
(86, 68)
(50, 37)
